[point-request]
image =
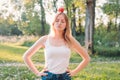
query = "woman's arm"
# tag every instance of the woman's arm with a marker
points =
(83, 53)
(31, 51)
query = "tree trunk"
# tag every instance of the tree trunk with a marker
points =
(109, 26)
(67, 5)
(43, 21)
(80, 26)
(89, 26)
(54, 5)
(73, 20)
(119, 27)
(116, 13)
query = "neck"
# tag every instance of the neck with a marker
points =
(57, 34)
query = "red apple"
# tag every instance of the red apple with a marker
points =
(61, 10)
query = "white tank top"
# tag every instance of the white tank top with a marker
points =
(56, 58)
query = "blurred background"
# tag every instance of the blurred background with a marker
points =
(94, 23)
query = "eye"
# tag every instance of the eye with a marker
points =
(63, 21)
(57, 20)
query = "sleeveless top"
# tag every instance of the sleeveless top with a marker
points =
(56, 57)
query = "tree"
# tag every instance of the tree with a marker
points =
(73, 22)
(89, 26)
(112, 9)
(54, 5)
(8, 17)
(74, 9)
(43, 21)
(33, 21)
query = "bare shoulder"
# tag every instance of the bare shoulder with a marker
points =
(40, 42)
(74, 42)
(42, 39)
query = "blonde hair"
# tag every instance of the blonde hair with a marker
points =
(67, 30)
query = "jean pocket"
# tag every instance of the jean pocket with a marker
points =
(48, 76)
(44, 77)
(45, 72)
(67, 76)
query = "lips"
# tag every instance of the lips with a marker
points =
(57, 26)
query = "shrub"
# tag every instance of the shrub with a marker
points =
(28, 43)
(107, 51)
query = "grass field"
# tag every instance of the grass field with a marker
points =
(100, 68)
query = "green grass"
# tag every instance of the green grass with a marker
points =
(10, 53)
(100, 68)
(94, 71)
(99, 71)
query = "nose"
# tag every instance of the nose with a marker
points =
(59, 22)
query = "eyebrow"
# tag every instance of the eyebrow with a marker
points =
(61, 19)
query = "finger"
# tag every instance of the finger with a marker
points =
(45, 71)
(42, 74)
(68, 73)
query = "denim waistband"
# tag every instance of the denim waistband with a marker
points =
(52, 76)
(54, 73)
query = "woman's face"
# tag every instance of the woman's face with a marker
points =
(60, 23)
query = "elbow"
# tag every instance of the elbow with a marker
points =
(88, 59)
(25, 57)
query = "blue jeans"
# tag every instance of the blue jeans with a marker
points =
(52, 76)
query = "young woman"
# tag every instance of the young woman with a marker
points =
(57, 50)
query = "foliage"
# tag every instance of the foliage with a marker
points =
(80, 38)
(31, 21)
(9, 29)
(111, 7)
(4, 29)
(75, 11)
(28, 43)
(106, 42)
(104, 38)
(107, 51)
(31, 25)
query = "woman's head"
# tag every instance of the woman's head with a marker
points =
(61, 23)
